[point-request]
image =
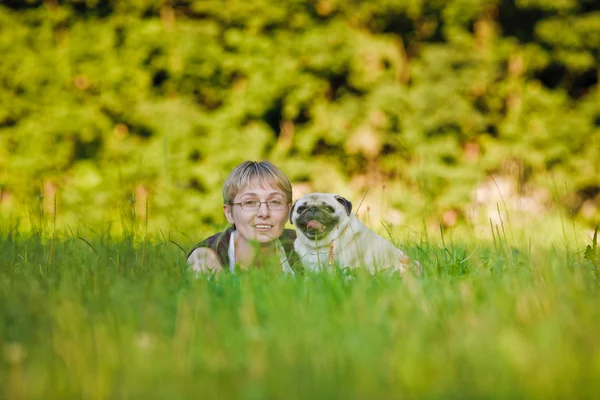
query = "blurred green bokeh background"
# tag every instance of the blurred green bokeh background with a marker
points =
(432, 117)
(435, 112)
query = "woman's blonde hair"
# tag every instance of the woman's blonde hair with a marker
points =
(261, 173)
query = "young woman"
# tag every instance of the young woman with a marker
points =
(257, 198)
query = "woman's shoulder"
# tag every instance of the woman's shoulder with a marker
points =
(288, 235)
(216, 242)
(287, 239)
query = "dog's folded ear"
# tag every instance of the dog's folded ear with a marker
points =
(345, 202)
(292, 212)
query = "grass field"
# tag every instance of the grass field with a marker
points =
(106, 318)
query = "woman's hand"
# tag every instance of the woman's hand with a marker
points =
(204, 260)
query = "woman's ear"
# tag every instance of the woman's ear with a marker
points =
(227, 209)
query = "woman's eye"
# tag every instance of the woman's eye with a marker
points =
(276, 203)
(251, 203)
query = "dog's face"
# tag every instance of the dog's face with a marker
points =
(315, 215)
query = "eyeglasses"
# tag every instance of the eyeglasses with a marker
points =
(254, 205)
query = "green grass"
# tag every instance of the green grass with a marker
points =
(100, 318)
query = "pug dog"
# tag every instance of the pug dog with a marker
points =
(329, 235)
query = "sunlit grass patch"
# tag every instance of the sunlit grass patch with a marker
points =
(98, 317)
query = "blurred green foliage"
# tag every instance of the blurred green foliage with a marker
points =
(146, 105)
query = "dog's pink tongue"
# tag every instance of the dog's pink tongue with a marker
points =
(315, 225)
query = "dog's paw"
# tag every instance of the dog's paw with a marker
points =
(413, 266)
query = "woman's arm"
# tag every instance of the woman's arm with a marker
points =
(203, 260)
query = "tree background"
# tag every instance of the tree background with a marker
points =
(444, 112)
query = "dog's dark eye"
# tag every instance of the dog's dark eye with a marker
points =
(301, 208)
(330, 209)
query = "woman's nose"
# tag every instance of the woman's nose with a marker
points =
(263, 209)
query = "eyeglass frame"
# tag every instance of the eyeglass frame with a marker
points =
(283, 204)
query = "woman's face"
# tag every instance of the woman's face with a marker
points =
(263, 225)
